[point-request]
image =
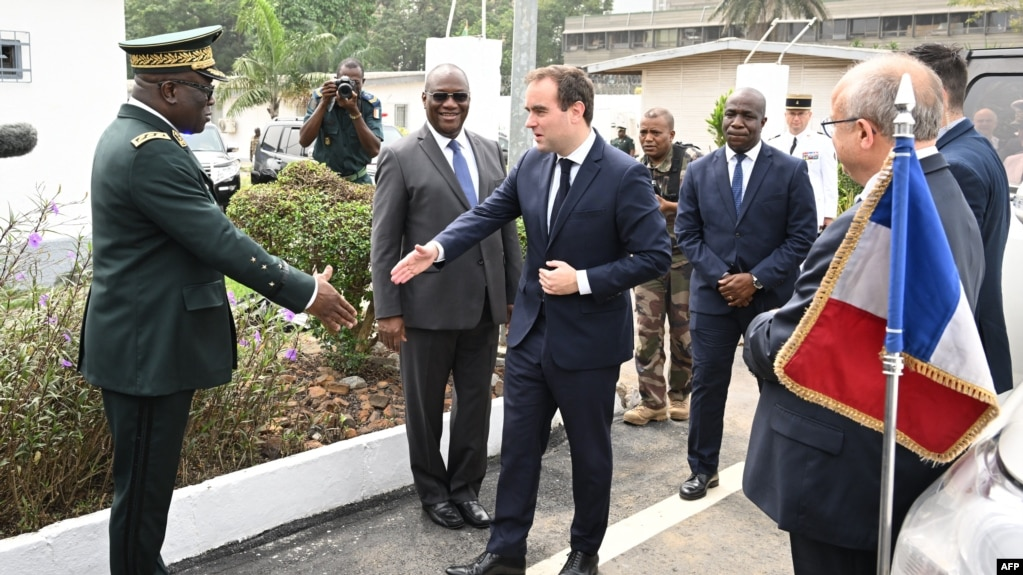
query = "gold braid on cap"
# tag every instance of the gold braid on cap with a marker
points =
(198, 59)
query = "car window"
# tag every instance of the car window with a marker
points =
(997, 93)
(271, 139)
(206, 141)
(290, 144)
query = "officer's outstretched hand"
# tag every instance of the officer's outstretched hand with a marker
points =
(330, 306)
(414, 263)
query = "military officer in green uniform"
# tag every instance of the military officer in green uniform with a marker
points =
(347, 131)
(157, 324)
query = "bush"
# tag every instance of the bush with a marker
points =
(311, 217)
(55, 458)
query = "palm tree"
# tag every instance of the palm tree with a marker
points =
(755, 15)
(278, 66)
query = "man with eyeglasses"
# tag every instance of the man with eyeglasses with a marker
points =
(445, 323)
(157, 324)
(814, 148)
(347, 131)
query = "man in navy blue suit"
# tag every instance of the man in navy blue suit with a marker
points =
(594, 232)
(746, 219)
(980, 173)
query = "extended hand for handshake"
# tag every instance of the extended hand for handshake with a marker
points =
(330, 306)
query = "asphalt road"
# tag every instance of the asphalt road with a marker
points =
(651, 531)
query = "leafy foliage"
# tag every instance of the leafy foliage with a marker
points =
(754, 16)
(715, 122)
(847, 190)
(312, 218)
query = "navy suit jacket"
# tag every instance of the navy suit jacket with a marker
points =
(770, 236)
(981, 175)
(815, 472)
(609, 226)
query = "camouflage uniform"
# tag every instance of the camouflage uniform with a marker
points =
(653, 304)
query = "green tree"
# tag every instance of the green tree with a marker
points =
(276, 68)
(1014, 8)
(754, 16)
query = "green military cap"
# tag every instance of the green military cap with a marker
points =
(798, 101)
(176, 52)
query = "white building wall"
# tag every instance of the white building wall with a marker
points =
(77, 84)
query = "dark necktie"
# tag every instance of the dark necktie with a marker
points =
(794, 142)
(737, 182)
(563, 186)
(462, 173)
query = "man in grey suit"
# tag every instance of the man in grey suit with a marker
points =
(445, 323)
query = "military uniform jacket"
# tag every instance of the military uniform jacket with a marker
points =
(157, 320)
(822, 165)
(337, 143)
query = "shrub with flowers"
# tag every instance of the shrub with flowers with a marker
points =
(55, 457)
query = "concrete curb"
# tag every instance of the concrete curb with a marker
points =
(241, 505)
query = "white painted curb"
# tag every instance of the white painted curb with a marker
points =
(240, 505)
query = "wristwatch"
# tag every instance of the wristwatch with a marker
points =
(756, 282)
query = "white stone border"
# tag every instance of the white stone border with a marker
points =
(240, 505)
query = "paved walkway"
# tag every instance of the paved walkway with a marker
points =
(652, 531)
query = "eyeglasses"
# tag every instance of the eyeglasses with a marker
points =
(828, 122)
(206, 89)
(441, 97)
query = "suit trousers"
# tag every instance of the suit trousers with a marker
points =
(148, 434)
(428, 357)
(535, 387)
(812, 557)
(714, 341)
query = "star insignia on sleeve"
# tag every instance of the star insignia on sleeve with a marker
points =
(253, 259)
(264, 266)
(271, 284)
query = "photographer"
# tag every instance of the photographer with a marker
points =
(344, 121)
(667, 295)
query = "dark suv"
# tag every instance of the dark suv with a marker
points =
(216, 161)
(279, 147)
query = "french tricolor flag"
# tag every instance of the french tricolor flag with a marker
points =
(834, 358)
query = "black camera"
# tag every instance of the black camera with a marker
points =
(345, 88)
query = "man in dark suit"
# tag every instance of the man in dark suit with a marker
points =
(594, 231)
(444, 323)
(981, 175)
(746, 219)
(157, 324)
(815, 472)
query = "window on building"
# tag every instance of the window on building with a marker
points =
(711, 33)
(640, 38)
(895, 26)
(596, 40)
(931, 24)
(15, 56)
(620, 39)
(574, 42)
(1001, 22)
(666, 38)
(690, 36)
(835, 29)
(863, 27)
(401, 115)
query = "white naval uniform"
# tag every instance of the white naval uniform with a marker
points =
(821, 162)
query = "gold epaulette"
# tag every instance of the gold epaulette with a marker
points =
(143, 138)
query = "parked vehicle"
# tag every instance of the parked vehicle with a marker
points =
(973, 514)
(224, 170)
(279, 147)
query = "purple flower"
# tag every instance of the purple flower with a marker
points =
(34, 239)
(65, 362)
(231, 299)
(52, 320)
(256, 337)
(67, 337)
(287, 314)
(53, 208)
(71, 255)
(20, 276)
(291, 354)
(243, 342)
(43, 299)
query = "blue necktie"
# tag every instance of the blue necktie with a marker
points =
(737, 182)
(462, 173)
(563, 186)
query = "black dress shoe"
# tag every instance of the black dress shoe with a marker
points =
(489, 564)
(474, 513)
(444, 514)
(580, 563)
(696, 486)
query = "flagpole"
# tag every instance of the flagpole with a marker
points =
(904, 143)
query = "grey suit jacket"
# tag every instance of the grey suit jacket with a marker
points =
(417, 195)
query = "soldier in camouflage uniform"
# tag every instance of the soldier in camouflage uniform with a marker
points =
(667, 296)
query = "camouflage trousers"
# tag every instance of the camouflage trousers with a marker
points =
(664, 297)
